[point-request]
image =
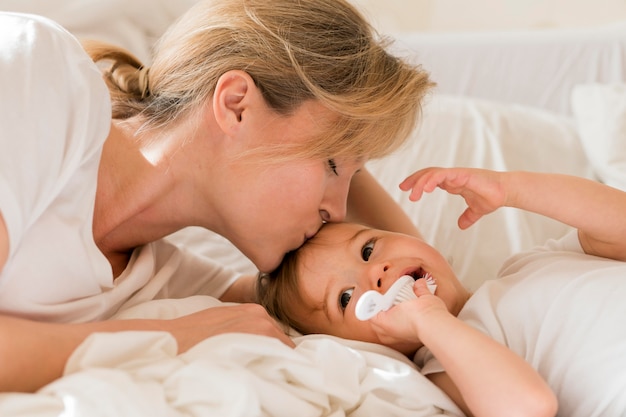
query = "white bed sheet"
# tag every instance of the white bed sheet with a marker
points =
(231, 375)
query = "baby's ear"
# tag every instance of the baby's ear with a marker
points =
(235, 93)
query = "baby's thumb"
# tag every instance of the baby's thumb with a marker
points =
(468, 218)
(420, 288)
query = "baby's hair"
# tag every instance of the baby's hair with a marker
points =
(295, 51)
(278, 290)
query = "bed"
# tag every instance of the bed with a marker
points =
(550, 100)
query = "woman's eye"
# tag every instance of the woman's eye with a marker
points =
(345, 297)
(333, 166)
(366, 251)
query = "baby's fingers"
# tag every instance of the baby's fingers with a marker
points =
(420, 288)
(410, 183)
(394, 325)
(425, 180)
(468, 218)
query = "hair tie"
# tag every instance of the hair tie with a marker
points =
(143, 82)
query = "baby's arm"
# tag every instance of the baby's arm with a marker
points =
(595, 209)
(481, 375)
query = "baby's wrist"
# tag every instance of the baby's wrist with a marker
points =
(432, 320)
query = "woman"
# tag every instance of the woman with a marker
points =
(252, 122)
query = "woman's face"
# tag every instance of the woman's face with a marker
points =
(277, 206)
(345, 260)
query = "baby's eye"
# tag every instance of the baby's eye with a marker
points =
(367, 249)
(345, 297)
(333, 166)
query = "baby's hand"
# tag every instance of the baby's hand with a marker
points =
(400, 324)
(483, 190)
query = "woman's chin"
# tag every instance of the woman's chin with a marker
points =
(265, 262)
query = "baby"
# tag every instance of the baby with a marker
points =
(556, 314)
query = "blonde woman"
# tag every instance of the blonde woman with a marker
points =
(253, 121)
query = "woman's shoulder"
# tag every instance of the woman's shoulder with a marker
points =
(21, 32)
(35, 44)
(55, 114)
(46, 73)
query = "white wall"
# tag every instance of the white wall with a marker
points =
(392, 16)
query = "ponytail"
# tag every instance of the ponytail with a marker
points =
(125, 76)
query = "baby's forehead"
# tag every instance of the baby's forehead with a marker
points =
(331, 241)
(339, 232)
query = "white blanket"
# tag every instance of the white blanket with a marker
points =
(140, 374)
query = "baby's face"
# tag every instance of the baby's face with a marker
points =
(345, 260)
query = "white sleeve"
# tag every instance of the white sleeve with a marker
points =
(174, 271)
(54, 113)
(568, 243)
(192, 273)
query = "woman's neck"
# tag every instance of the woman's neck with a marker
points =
(134, 197)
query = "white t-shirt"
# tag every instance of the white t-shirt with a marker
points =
(55, 115)
(564, 312)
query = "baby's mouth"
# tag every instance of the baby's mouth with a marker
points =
(420, 273)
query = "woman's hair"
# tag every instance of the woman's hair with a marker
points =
(278, 292)
(294, 50)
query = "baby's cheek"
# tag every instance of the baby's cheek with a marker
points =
(356, 329)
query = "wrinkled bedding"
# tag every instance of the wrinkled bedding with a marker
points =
(231, 375)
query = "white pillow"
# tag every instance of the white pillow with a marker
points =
(468, 132)
(600, 112)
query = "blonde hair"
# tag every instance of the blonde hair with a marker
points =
(295, 50)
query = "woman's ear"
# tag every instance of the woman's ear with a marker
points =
(235, 92)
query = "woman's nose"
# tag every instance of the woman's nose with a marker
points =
(334, 205)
